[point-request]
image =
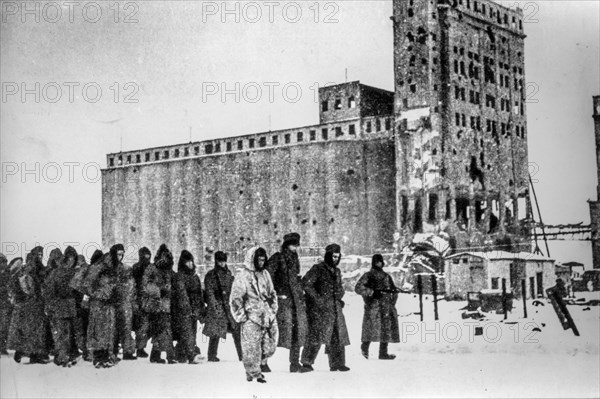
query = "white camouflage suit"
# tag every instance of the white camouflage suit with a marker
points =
(251, 293)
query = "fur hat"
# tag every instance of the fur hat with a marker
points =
(333, 248)
(291, 239)
(220, 256)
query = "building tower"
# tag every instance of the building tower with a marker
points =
(595, 205)
(461, 134)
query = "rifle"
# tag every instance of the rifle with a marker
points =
(388, 290)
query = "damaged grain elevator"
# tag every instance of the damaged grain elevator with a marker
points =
(446, 151)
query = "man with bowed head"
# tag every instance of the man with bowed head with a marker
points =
(284, 267)
(253, 303)
(324, 293)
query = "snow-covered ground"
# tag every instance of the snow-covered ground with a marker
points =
(433, 359)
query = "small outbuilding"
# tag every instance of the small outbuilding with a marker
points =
(475, 271)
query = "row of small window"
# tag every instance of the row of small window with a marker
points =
(486, 60)
(369, 126)
(157, 156)
(490, 101)
(474, 96)
(262, 142)
(337, 105)
(493, 13)
(491, 126)
(489, 75)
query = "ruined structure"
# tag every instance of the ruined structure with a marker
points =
(460, 116)
(595, 205)
(447, 151)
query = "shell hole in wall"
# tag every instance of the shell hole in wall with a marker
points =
(314, 222)
(350, 172)
(298, 208)
(295, 187)
(331, 220)
(336, 206)
(265, 221)
(304, 221)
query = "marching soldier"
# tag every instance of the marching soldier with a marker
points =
(219, 320)
(380, 321)
(284, 268)
(324, 304)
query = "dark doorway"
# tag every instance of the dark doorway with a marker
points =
(433, 203)
(404, 209)
(540, 284)
(418, 226)
(532, 287)
(517, 270)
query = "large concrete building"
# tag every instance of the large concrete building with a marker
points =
(595, 205)
(446, 151)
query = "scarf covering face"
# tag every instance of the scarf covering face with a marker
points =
(185, 257)
(164, 258)
(142, 256)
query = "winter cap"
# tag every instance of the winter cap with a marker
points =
(220, 256)
(333, 248)
(291, 239)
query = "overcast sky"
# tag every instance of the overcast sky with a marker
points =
(163, 57)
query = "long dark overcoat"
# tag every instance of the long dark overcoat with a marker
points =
(101, 283)
(187, 307)
(217, 288)
(28, 332)
(324, 293)
(380, 320)
(285, 273)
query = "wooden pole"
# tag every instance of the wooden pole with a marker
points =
(504, 297)
(524, 294)
(420, 291)
(434, 289)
